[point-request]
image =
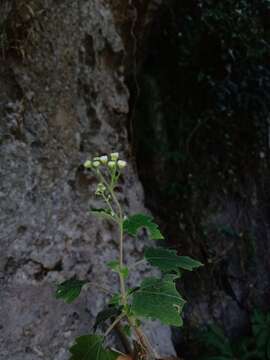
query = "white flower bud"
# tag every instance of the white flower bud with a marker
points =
(100, 189)
(111, 164)
(88, 164)
(121, 164)
(114, 156)
(96, 164)
(103, 159)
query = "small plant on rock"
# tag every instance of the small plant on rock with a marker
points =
(154, 298)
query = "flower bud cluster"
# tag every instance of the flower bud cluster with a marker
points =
(112, 162)
(101, 188)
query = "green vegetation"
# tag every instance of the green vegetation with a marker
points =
(254, 347)
(155, 298)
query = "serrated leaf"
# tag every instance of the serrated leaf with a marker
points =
(90, 347)
(159, 299)
(135, 222)
(168, 260)
(102, 213)
(69, 290)
(109, 312)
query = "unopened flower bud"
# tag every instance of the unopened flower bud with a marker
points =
(96, 164)
(88, 164)
(114, 156)
(103, 159)
(111, 164)
(100, 189)
(121, 164)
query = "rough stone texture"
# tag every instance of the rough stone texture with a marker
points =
(66, 99)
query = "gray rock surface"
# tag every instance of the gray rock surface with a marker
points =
(63, 97)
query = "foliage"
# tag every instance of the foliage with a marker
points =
(155, 297)
(253, 347)
(135, 222)
(69, 290)
(158, 299)
(90, 347)
(168, 260)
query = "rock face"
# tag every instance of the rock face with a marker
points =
(62, 98)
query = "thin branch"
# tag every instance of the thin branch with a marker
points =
(116, 321)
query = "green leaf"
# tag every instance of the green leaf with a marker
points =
(215, 338)
(89, 347)
(109, 312)
(102, 213)
(115, 299)
(135, 222)
(168, 260)
(159, 299)
(115, 266)
(69, 290)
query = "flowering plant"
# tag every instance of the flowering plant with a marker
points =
(154, 298)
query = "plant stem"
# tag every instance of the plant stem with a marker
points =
(144, 342)
(124, 339)
(121, 262)
(116, 321)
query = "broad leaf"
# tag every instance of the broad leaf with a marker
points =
(135, 222)
(69, 290)
(159, 299)
(102, 213)
(168, 260)
(90, 347)
(106, 314)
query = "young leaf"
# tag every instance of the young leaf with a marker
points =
(107, 313)
(69, 290)
(168, 260)
(115, 299)
(135, 222)
(115, 266)
(89, 347)
(159, 299)
(103, 213)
